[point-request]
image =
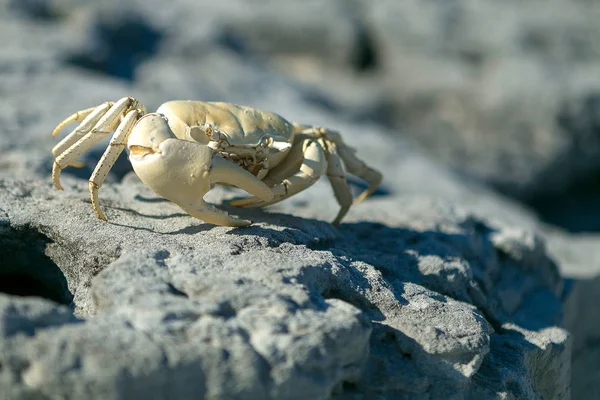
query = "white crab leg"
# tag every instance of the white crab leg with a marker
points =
(337, 178)
(313, 166)
(352, 163)
(102, 128)
(356, 167)
(88, 123)
(77, 116)
(287, 168)
(112, 152)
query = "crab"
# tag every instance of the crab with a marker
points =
(186, 147)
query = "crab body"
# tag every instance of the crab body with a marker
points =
(233, 127)
(186, 147)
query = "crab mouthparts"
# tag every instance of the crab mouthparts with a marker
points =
(141, 151)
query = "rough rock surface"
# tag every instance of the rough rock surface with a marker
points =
(411, 298)
(519, 79)
(426, 305)
(580, 262)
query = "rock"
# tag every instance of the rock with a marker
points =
(516, 106)
(578, 257)
(27, 318)
(288, 308)
(410, 297)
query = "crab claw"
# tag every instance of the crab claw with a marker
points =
(183, 172)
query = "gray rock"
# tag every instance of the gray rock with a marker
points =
(284, 308)
(515, 106)
(580, 262)
(411, 298)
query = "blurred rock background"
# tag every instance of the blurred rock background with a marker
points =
(495, 105)
(507, 94)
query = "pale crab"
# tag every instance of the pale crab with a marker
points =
(186, 147)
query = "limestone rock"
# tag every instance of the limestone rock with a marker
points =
(412, 297)
(287, 308)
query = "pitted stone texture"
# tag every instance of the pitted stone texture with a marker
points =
(290, 307)
(171, 346)
(27, 317)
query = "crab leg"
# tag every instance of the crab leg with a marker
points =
(337, 178)
(88, 123)
(313, 166)
(288, 168)
(356, 167)
(78, 116)
(115, 147)
(99, 131)
(352, 163)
